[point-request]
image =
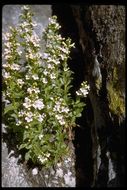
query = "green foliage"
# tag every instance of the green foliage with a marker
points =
(37, 87)
(116, 102)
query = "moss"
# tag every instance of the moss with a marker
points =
(116, 102)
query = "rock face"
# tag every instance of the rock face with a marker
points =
(98, 153)
(99, 58)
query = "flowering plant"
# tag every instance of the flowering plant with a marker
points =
(36, 90)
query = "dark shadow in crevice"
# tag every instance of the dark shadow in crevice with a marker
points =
(82, 141)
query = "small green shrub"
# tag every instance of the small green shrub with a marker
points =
(36, 89)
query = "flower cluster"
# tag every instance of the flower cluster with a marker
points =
(37, 87)
(84, 90)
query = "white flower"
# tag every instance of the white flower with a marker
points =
(48, 155)
(60, 119)
(64, 109)
(19, 52)
(38, 104)
(7, 51)
(66, 69)
(25, 7)
(35, 171)
(42, 159)
(8, 44)
(64, 50)
(27, 77)
(45, 72)
(59, 172)
(34, 24)
(44, 80)
(20, 81)
(84, 91)
(36, 90)
(41, 117)
(6, 75)
(30, 90)
(6, 65)
(50, 66)
(29, 116)
(34, 39)
(27, 103)
(35, 77)
(40, 136)
(45, 55)
(62, 57)
(15, 67)
(28, 119)
(6, 36)
(18, 122)
(78, 93)
(21, 113)
(53, 76)
(30, 56)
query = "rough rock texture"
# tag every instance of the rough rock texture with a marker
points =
(15, 172)
(99, 58)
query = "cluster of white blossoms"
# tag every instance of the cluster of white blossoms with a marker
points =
(20, 82)
(61, 110)
(33, 89)
(61, 119)
(59, 107)
(10, 55)
(44, 158)
(84, 90)
(37, 104)
(34, 39)
(42, 81)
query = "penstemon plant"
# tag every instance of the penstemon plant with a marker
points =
(36, 90)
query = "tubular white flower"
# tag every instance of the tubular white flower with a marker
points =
(27, 103)
(60, 119)
(41, 117)
(44, 80)
(25, 7)
(38, 104)
(27, 77)
(45, 72)
(35, 77)
(28, 119)
(53, 76)
(20, 82)
(7, 35)
(6, 75)
(45, 55)
(40, 136)
(31, 90)
(15, 67)
(42, 159)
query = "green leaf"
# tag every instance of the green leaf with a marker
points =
(22, 146)
(8, 108)
(27, 156)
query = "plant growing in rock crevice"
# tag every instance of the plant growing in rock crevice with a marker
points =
(36, 89)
